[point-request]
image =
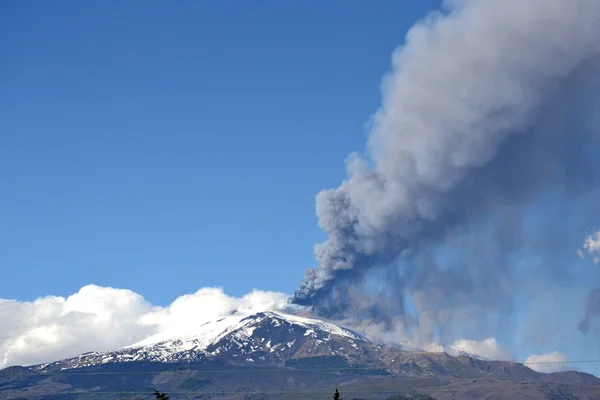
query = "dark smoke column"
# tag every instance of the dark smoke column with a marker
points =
(353, 244)
(462, 86)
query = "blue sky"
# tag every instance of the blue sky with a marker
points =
(167, 147)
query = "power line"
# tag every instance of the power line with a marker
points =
(559, 362)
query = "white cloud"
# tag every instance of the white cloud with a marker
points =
(102, 318)
(191, 310)
(549, 362)
(487, 348)
(592, 246)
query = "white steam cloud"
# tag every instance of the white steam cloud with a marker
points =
(548, 363)
(592, 246)
(102, 318)
(487, 348)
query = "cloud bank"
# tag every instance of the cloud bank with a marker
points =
(103, 318)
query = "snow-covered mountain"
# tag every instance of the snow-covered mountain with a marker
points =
(272, 337)
(242, 326)
(266, 337)
(239, 353)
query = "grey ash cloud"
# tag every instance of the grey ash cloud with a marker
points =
(592, 310)
(486, 109)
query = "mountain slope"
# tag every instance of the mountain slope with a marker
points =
(272, 352)
(268, 337)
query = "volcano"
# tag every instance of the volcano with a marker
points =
(269, 354)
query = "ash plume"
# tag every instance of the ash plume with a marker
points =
(486, 116)
(592, 310)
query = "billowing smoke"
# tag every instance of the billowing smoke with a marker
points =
(482, 164)
(592, 310)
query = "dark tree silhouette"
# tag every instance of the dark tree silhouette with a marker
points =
(336, 396)
(160, 396)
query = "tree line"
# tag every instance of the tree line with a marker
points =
(336, 396)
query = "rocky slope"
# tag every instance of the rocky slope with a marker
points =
(263, 338)
(273, 352)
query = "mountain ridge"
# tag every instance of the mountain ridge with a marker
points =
(247, 333)
(274, 350)
(201, 341)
